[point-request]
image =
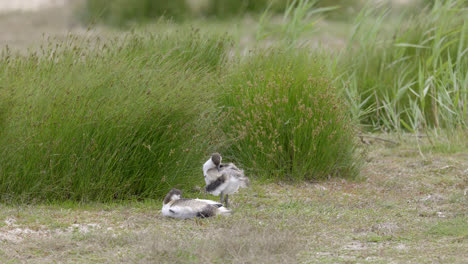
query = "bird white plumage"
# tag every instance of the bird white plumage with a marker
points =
(223, 178)
(177, 207)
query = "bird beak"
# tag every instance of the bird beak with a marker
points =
(217, 167)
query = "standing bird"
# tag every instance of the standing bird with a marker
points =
(223, 178)
(177, 207)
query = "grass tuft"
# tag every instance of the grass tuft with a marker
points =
(121, 120)
(285, 120)
(456, 227)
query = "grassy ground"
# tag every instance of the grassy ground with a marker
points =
(408, 208)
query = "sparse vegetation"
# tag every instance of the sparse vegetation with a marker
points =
(403, 212)
(456, 227)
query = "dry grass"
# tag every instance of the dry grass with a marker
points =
(408, 208)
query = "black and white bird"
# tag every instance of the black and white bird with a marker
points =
(223, 178)
(177, 207)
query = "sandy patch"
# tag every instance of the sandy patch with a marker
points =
(15, 233)
(28, 5)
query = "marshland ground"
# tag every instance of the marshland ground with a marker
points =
(406, 200)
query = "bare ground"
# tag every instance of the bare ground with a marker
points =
(408, 208)
(25, 28)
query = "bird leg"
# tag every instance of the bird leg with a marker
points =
(226, 201)
(221, 195)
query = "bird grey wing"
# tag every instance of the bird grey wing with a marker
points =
(232, 171)
(230, 166)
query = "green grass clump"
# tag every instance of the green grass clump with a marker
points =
(285, 120)
(119, 120)
(455, 227)
(122, 12)
(414, 77)
(447, 141)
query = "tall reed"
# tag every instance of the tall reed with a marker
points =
(411, 78)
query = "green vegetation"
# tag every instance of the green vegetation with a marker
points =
(411, 77)
(223, 8)
(121, 12)
(133, 118)
(455, 227)
(116, 121)
(226, 8)
(284, 120)
(130, 118)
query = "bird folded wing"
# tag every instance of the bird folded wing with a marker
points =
(217, 186)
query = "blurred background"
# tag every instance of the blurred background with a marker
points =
(26, 23)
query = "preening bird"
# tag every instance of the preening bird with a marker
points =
(223, 178)
(177, 207)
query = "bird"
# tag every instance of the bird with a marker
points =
(177, 207)
(223, 178)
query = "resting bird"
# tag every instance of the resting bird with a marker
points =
(223, 178)
(177, 207)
